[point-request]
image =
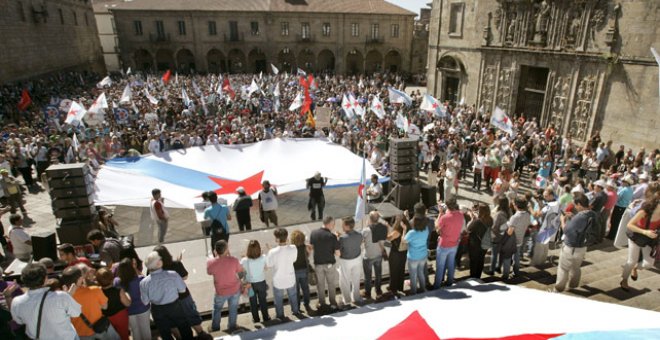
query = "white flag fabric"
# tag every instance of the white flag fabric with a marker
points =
(253, 88)
(206, 109)
(401, 122)
(274, 69)
(261, 75)
(360, 209)
(400, 97)
(377, 107)
(100, 103)
(357, 108)
(196, 89)
(276, 91)
(433, 105)
(74, 142)
(151, 98)
(184, 97)
(104, 82)
(75, 114)
(128, 72)
(297, 103)
(126, 95)
(500, 120)
(347, 106)
(182, 177)
(176, 78)
(657, 60)
(301, 72)
(361, 84)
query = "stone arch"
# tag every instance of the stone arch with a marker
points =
(354, 62)
(216, 61)
(185, 61)
(392, 61)
(326, 61)
(257, 61)
(236, 61)
(451, 78)
(143, 60)
(373, 62)
(306, 60)
(286, 60)
(164, 60)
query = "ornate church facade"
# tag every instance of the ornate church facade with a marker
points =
(582, 65)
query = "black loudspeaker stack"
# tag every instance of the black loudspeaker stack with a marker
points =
(72, 198)
(404, 172)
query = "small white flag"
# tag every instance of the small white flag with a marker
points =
(274, 69)
(253, 88)
(104, 82)
(75, 143)
(357, 108)
(126, 95)
(347, 106)
(301, 72)
(276, 92)
(151, 98)
(297, 103)
(400, 97)
(76, 113)
(500, 120)
(261, 75)
(196, 89)
(100, 103)
(377, 107)
(128, 72)
(184, 97)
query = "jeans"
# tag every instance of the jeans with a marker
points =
(516, 263)
(476, 183)
(278, 296)
(327, 275)
(258, 301)
(377, 264)
(218, 303)
(530, 241)
(416, 271)
(109, 334)
(302, 287)
(444, 259)
(162, 230)
(494, 257)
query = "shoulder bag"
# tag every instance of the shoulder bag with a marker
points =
(101, 326)
(41, 308)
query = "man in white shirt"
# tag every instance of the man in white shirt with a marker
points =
(56, 313)
(375, 190)
(268, 204)
(280, 259)
(19, 238)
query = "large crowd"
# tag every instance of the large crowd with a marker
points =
(584, 193)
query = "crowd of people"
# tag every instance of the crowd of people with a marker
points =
(584, 193)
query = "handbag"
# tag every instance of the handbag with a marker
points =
(641, 239)
(403, 245)
(250, 292)
(100, 326)
(311, 275)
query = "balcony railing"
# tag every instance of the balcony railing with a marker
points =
(307, 38)
(232, 38)
(374, 40)
(157, 38)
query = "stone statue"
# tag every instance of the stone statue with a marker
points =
(510, 31)
(541, 24)
(574, 28)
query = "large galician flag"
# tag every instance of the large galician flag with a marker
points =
(182, 175)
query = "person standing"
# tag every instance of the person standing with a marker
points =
(375, 190)
(597, 204)
(268, 204)
(478, 229)
(518, 224)
(255, 265)
(417, 240)
(226, 272)
(478, 167)
(159, 214)
(19, 238)
(449, 226)
(350, 262)
(219, 216)
(374, 236)
(324, 245)
(624, 197)
(574, 248)
(281, 259)
(316, 197)
(118, 301)
(109, 248)
(241, 207)
(128, 278)
(397, 258)
(12, 191)
(301, 266)
(502, 214)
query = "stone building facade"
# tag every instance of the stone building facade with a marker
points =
(420, 43)
(582, 65)
(105, 24)
(38, 37)
(343, 36)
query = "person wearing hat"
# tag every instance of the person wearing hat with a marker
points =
(624, 198)
(597, 204)
(242, 209)
(316, 202)
(12, 191)
(640, 189)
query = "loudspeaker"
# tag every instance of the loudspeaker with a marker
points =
(403, 143)
(44, 245)
(429, 195)
(74, 231)
(406, 195)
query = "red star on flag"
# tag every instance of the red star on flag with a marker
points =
(505, 119)
(378, 106)
(73, 113)
(251, 184)
(348, 105)
(435, 106)
(361, 190)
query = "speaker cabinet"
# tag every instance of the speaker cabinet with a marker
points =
(44, 245)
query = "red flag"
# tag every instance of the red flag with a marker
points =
(307, 102)
(25, 100)
(166, 76)
(227, 88)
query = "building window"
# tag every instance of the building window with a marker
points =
(233, 30)
(284, 28)
(182, 27)
(355, 30)
(456, 19)
(375, 28)
(59, 11)
(304, 30)
(326, 29)
(21, 11)
(75, 18)
(212, 28)
(160, 29)
(395, 31)
(254, 28)
(137, 24)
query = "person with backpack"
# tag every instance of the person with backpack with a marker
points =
(219, 215)
(109, 249)
(580, 230)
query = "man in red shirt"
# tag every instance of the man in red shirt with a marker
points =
(68, 254)
(449, 225)
(225, 270)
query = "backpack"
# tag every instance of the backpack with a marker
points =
(486, 240)
(216, 226)
(591, 233)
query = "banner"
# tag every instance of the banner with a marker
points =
(323, 117)
(182, 177)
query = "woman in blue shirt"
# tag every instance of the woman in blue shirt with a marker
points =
(255, 266)
(417, 251)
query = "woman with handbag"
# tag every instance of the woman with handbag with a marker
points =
(118, 300)
(301, 266)
(643, 234)
(255, 265)
(397, 257)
